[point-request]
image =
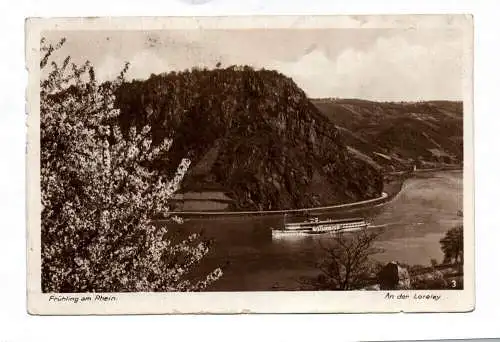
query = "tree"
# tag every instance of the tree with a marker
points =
(347, 264)
(452, 245)
(99, 196)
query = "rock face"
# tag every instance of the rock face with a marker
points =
(251, 134)
(394, 277)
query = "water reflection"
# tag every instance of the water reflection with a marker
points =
(414, 222)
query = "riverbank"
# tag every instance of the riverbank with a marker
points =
(315, 211)
(394, 182)
(449, 167)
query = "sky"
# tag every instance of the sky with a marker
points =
(374, 64)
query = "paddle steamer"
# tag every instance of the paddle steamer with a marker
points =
(314, 226)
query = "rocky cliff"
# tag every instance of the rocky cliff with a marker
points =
(251, 134)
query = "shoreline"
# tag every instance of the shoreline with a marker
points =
(354, 205)
(391, 189)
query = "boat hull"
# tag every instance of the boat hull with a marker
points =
(285, 233)
(318, 229)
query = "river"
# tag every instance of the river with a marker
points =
(415, 220)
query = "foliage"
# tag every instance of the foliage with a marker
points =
(99, 194)
(432, 280)
(347, 264)
(452, 245)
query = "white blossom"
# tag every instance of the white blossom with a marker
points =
(99, 199)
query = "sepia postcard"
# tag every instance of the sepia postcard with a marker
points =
(259, 164)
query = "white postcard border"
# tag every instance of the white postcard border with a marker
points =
(243, 302)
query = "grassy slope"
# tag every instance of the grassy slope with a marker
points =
(397, 135)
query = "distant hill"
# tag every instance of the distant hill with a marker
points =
(251, 134)
(397, 135)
